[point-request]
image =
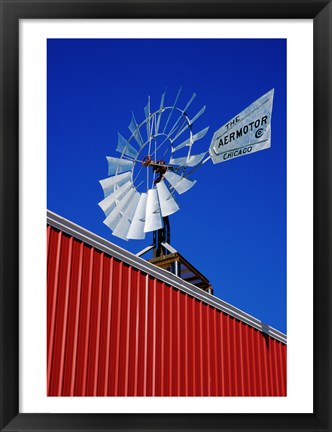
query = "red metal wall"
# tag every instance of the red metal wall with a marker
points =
(114, 331)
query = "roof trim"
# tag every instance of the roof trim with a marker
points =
(163, 275)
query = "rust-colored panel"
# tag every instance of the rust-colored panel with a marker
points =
(113, 330)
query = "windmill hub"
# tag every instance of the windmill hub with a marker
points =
(158, 167)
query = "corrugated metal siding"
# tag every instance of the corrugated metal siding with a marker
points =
(113, 330)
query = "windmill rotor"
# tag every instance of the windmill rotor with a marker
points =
(154, 164)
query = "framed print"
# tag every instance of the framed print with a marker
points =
(120, 342)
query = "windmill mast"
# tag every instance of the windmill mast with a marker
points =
(161, 236)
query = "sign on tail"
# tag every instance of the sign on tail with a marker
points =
(246, 133)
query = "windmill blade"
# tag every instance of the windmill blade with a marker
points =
(125, 148)
(195, 137)
(183, 128)
(198, 115)
(110, 183)
(122, 228)
(184, 112)
(117, 165)
(171, 112)
(109, 203)
(176, 125)
(168, 205)
(189, 103)
(147, 118)
(136, 230)
(153, 219)
(180, 184)
(134, 129)
(190, 161)
(116, 214)
(191, 122)
(161, 107)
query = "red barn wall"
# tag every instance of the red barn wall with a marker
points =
(113, 330)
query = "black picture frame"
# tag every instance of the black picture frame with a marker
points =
(14, 10)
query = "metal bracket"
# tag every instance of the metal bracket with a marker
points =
(169, 247)
(145, 250)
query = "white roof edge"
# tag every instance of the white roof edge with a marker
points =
(165, 276)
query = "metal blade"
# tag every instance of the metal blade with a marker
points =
(153, 219)
(116, 165)
(176, 125)
(116, 214)
(185, 127)
(198, 115)
(180, 184)
(109, 203)
(134, 129)
(162, 100)
(190, 161)
(171, 112)
(122, 228)
(200, 134)
(110, 183)
(180, 133)
(168, 205)
(195, 137)
(136, 230)
(147, 118)
(160, 113)
(125, 148)
(185, 123)
(189, 103)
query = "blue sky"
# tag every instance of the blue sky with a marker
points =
(232, 223)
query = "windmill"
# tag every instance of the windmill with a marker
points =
(155, 164)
